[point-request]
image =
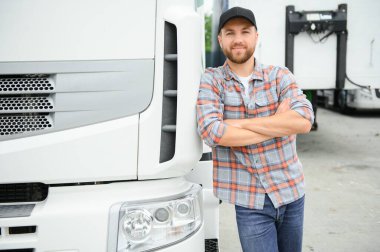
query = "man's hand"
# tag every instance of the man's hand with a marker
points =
(284, 106)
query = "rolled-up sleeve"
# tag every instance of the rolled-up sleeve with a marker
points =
(290, 89)
(210, 110)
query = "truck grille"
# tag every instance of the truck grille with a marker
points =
(26, 103)
(25, 192)
(17, 124)
(25, 83)
(36, 103)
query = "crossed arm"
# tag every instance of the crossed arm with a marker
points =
(294, 115)
(284, 122)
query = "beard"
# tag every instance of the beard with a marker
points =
(238, 58)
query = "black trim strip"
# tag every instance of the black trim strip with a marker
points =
(207, 156)
(22, 230)
(17, 250)
(169, 101)
(23, 192)
(377, 91)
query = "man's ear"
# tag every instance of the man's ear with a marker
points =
(220, 41)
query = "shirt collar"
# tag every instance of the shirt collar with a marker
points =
(256, 75)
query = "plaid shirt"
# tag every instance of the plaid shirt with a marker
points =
(243, 175)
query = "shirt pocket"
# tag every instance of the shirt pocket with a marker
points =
(266, 97)
(233, 105)
(266, 102)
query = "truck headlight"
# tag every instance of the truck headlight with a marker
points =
(156, 224)
(136, 225)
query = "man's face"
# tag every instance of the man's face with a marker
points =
(238, 39)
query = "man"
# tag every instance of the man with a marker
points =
(250, 113)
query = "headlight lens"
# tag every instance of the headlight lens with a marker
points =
(137, 225)
(152, 225)
(183, 208)
(162, 214)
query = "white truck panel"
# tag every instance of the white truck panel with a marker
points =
(202, 174)
(75, 218)
(43, 30)
(188, 144)
(315, 63)
(91, 153)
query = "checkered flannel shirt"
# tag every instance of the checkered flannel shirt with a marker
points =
(243, 175)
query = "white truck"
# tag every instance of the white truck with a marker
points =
(97, 127)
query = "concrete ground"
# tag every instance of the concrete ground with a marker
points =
(342, 170)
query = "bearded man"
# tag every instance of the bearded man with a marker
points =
(249, 114)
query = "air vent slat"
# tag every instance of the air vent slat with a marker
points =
(171, 57)
(169, 128)
(170, 93)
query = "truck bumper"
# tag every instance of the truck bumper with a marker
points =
(76, 218)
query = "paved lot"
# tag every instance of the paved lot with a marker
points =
(342, 169)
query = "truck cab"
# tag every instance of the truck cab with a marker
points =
(97, 126)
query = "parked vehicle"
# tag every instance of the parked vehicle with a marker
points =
(98, 129)
(363, 99)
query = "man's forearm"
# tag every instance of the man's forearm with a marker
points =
(278, 125)
(234, 137)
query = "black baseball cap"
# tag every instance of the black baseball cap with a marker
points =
(236, 12)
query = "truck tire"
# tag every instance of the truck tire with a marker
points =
(342, 102)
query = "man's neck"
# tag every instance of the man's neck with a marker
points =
(245, 69)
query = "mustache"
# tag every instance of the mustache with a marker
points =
(239, 45)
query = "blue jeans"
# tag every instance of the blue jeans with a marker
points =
(271, 229)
